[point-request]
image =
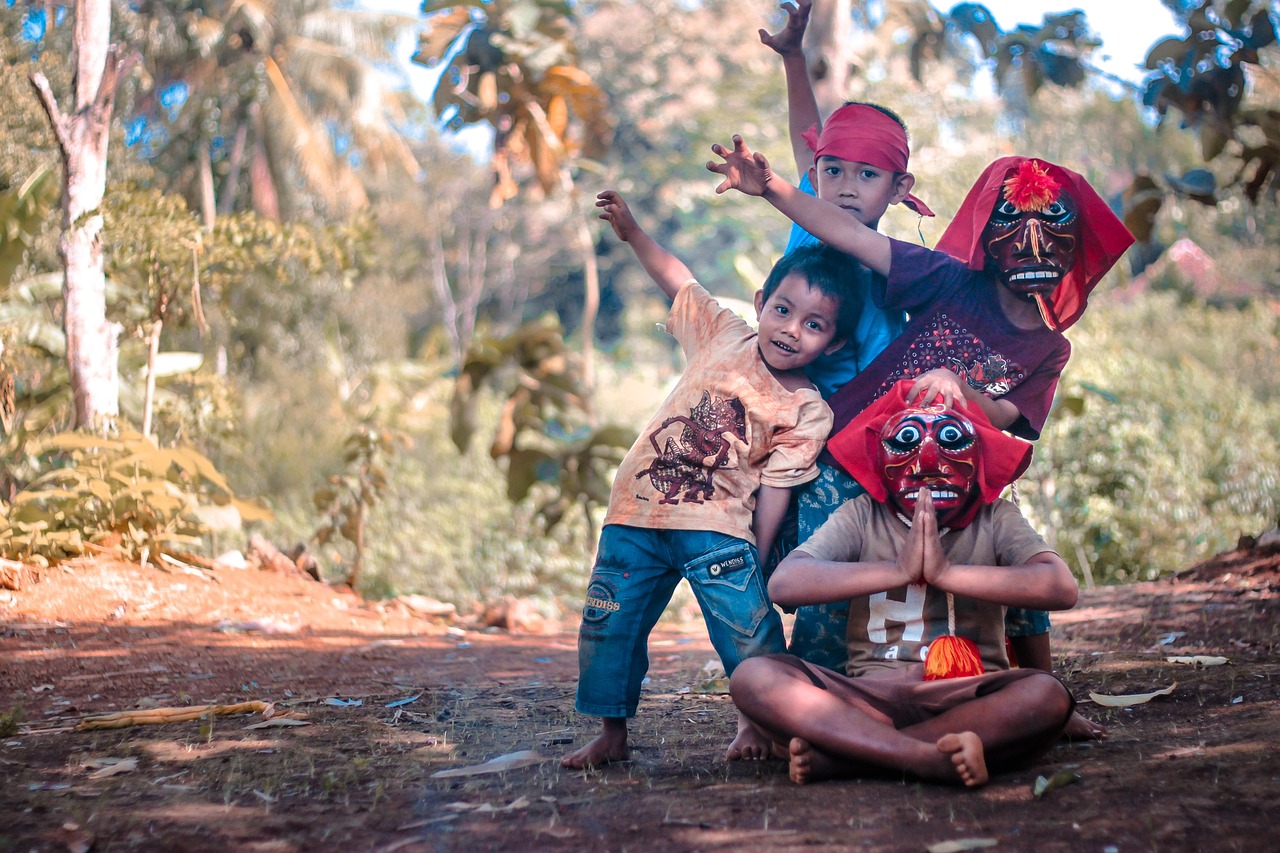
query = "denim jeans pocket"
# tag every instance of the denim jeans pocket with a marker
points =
(729, 585)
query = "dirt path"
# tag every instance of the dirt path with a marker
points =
(391, 699)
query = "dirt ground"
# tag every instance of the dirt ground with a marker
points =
(391, 699)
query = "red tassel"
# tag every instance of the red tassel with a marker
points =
(952, 657)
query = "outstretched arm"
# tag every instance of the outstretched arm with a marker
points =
(802, 106)
(666, 269)
(956, 392)
(749, 173)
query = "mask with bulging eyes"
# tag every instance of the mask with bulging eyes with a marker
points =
(932, 447)
(1033, 234)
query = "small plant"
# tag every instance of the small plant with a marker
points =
(349, 496)
(119, 491)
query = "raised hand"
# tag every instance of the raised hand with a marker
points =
(742, 170)
(933, 558)
(934, 383)
(614, 210)
(789, 40)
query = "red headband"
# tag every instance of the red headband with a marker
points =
(1103, 237)
(862, 134)
(1001, 459)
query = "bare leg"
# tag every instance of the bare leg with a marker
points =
(607, 747)
(1035, 652)
(846, 737)
(750, 744)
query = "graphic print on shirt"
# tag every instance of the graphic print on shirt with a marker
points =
(943, 342)
(685, 465)
(901, 623)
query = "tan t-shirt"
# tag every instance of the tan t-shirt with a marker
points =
(894, 627)
(726, 428)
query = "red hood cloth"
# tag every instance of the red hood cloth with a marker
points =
(862, 134)
(1103, 236)
(1001, 460)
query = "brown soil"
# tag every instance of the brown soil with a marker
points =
(1192, 770)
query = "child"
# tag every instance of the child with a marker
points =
(856, 160)
(1013, 269)
(708, 480)
(927, 560)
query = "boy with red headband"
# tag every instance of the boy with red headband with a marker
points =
(1014, 268)
(858, 161)
(927, 561)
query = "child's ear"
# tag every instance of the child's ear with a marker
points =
(903, 186)
(813, 177)
(759, 304)
(836, 343)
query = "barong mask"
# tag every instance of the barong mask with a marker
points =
(1033, 234)
(1022, 209)
(894, 447)
(931, 447)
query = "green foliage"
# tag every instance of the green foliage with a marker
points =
(1161, 450)
(542, 431)
(23, 212)
(119, 492)
(346, 500)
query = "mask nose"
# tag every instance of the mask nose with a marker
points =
(928, 459)
(1033, 241)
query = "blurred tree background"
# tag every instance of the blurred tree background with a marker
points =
(303, 253)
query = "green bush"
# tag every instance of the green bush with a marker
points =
(1161, 450)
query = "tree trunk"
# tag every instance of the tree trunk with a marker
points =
(82, 142)
(827, 52)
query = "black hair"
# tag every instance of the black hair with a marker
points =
(832, 273)
(881, 108)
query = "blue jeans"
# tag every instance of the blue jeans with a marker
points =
(820, 630)
(636, 572)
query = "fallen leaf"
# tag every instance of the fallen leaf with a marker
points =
(501, 764)
(959, 845)
(407, 700)
(1198, 660)
(1064, 777)
(112, 767)
(279, 722)
(1130, 699)
(344, 703)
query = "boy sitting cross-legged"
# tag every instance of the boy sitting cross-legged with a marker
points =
(705, 486)
(927, 559)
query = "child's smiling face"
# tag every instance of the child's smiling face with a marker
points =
(797, 324)
(863, 190)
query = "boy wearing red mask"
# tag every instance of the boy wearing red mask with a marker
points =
(988, 307)
(928, 560)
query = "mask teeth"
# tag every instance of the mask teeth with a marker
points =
(1046, 311)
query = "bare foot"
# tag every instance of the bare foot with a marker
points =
(607, 747)
(749, 744)
(809, 764)
(967, 756)
(1079, 728)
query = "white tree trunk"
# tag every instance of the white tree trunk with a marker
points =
(82, 141)
(827, 52)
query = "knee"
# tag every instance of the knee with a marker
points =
(749, 677)
(1050, 695)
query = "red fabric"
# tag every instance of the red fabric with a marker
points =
(1001, 459)
(1103, 236)
(862, 134)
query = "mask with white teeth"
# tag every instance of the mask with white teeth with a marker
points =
(933, 447)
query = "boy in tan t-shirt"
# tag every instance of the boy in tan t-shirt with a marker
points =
(928, 559)
(703, 490)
